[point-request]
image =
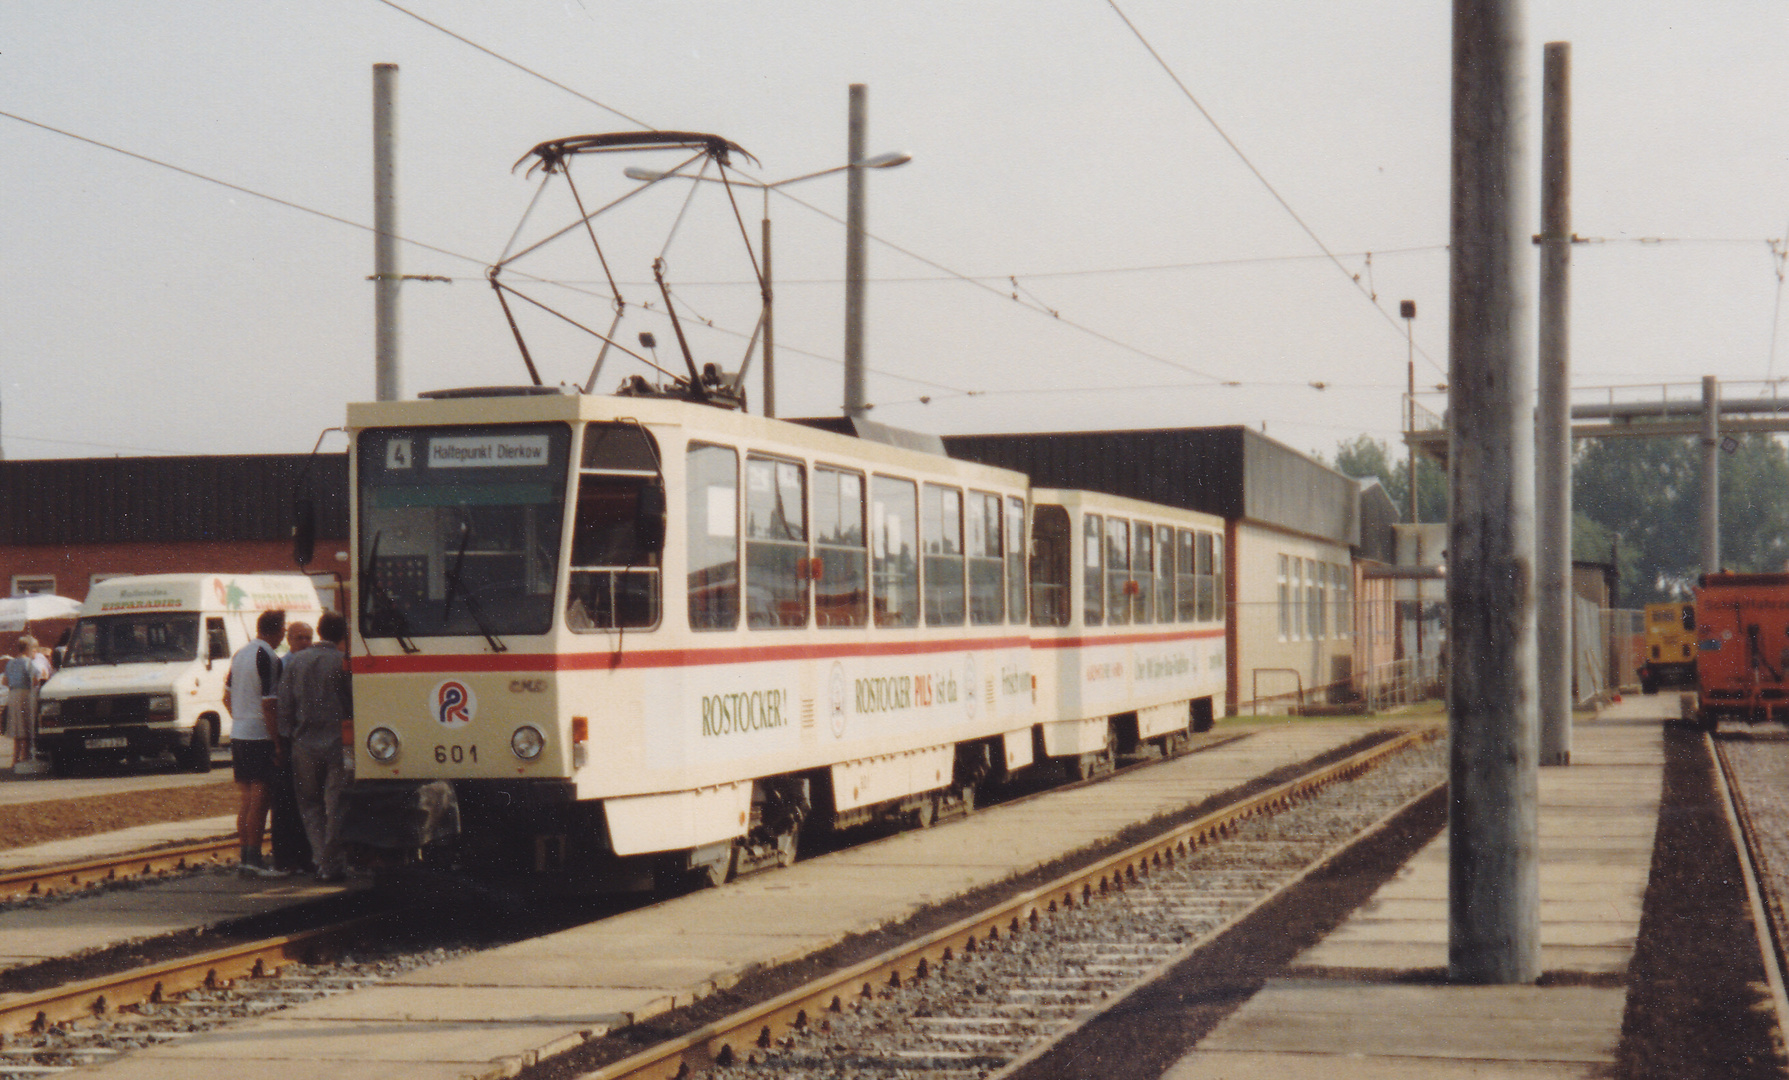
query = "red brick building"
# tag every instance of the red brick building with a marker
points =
(67, 523)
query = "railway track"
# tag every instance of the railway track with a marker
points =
(1741, 780)
(127, 866)
(983, 995)
(100, 1018)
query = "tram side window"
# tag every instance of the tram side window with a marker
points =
(1186, 587)
(712, 507)
(1164, 574)
(840, 569)
(617, 539)
(987, 560)
(1015, 560)
(1093, 570)
(1143, 573)
(944, 555)
(776, 544)
(1209, 601)
(1120, 589)
(1217, 578)
(894, 550)
(1051, 560)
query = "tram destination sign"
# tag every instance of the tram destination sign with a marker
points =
(487, 451)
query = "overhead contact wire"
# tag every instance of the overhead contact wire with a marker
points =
(1271, 190)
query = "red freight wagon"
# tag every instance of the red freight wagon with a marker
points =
(1742, 647)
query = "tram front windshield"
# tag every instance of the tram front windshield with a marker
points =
(459, 528)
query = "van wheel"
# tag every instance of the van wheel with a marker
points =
(196, 758)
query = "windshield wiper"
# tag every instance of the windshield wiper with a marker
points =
(453, 588)
(372, 588)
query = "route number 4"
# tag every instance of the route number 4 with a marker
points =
(398, 454)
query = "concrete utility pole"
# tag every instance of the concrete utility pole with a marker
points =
(1711, 475)
(854, 253)
(1553, 443)
(1493, 873)
(387, 381)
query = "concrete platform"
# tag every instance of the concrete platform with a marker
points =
(104, 845)
(479, 1015)
(103, 920)
(1340, 1015)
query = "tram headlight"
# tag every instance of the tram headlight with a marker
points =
(382, 745)
(527, 742)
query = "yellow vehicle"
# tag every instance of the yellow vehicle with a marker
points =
(1670, 646)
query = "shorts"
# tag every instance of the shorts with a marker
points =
(252, 760)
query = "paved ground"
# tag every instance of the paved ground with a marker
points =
(18, 787)
(1365, 1002)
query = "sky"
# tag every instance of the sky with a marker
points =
(1085, 238)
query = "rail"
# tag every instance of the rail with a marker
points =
(158, 982)
(730, 1039)
(1770, 934)
(66, 877)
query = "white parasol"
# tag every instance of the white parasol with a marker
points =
(16, 611)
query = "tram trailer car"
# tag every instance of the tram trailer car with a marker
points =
(1127, 625)
(609, 640)
(1742, 650)
(1670, 646)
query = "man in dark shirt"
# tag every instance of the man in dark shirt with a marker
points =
(315, 700)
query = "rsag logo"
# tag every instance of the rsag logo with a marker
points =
(454, 704)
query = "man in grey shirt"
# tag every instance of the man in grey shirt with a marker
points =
(315, 700)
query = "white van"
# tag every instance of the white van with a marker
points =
(144, 673)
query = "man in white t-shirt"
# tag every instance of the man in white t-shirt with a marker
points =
(252, 688)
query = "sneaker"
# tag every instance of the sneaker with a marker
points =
(256, 870)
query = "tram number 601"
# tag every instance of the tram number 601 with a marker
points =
(455, 754)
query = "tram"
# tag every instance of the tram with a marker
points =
(623, 640)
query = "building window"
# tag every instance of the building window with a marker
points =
(1313, 600)
(1285, 597)
(33, 584)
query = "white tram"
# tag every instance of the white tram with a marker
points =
(611, 639)
(1127, 624)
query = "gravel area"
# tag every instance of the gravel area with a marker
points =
(26, 823)
(976, 1014)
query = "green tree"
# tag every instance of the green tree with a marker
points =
(1364, 456)
(1647, 494)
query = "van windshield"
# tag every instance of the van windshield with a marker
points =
(134, 639)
